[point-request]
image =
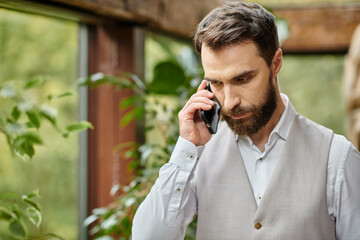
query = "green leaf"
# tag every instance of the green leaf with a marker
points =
(115, 189)
(109, 222)
(17, 228)
(29, 199)
(16, 210)
(168, 77)
(35, 82)
(29, 149)
(33, 138)
(24, 144)
(97, 79)
(33, 194)
(6, 214)
(89, 220)
(133, 165)
(32, 203)
(65, 94)
(129, 202)
(34, 118)
(126, 224)
(130, 153)
(139, 112)
(79, 126)
(55, 236)
(34, 216)
(127, 102)
(49, 113)
(15, 113)
(127, 118)
(100, 211)
(83, 81)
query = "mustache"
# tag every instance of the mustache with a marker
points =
(237, 110)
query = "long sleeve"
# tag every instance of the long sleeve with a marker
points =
(347, 197)
(171, 204)
(343, 188)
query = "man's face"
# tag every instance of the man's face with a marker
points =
(243, 84)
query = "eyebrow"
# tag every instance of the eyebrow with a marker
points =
(240, 75)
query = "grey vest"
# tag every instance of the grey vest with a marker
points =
(294, 204)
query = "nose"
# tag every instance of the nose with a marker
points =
(231, 97)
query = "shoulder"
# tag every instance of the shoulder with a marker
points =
(308, 125)
(311, 135)
(341, 151)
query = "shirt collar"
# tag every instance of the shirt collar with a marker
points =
(282, 128)
(286, 120)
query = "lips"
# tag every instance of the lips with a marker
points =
(241, 116)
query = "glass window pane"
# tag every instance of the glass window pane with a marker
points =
(161, 49)
(31, 46)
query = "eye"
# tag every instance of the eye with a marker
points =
(215, 83)
(244, 79)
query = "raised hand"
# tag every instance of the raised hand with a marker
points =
(192, 127)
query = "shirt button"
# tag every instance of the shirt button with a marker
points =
(257, 226)
(260, 159)
(178, 189)
(191, 157)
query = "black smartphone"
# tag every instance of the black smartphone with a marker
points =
(212, 116)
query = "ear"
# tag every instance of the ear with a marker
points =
(276, 62)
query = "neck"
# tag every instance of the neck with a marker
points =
(262, 136)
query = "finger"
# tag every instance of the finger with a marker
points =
(198, 99)
(189, 112)
(202, 93)
(202, 85)
(196, 106)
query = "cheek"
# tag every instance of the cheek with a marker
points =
(257, 91)
(219, 95)
(253, 97)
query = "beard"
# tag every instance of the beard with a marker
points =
(261, 114)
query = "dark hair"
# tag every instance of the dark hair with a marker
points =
(236, 22)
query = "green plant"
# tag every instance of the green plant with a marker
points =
(21, 118)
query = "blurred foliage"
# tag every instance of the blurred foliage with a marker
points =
(21, 128)
(158, 101)
(314, 86)
(21, 125)
(38, 48)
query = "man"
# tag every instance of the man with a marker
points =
(268, 173)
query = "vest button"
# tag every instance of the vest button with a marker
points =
(258, 225)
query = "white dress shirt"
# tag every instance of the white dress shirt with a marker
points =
(172, 202)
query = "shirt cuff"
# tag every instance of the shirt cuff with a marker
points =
(185, 154)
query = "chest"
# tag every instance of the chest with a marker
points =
(294, 194)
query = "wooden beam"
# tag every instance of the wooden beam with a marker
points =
(178, 18)
(312, 29)
(111, 51)
(316, 29)
(321, 29)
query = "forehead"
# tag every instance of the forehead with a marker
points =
(231, 60)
